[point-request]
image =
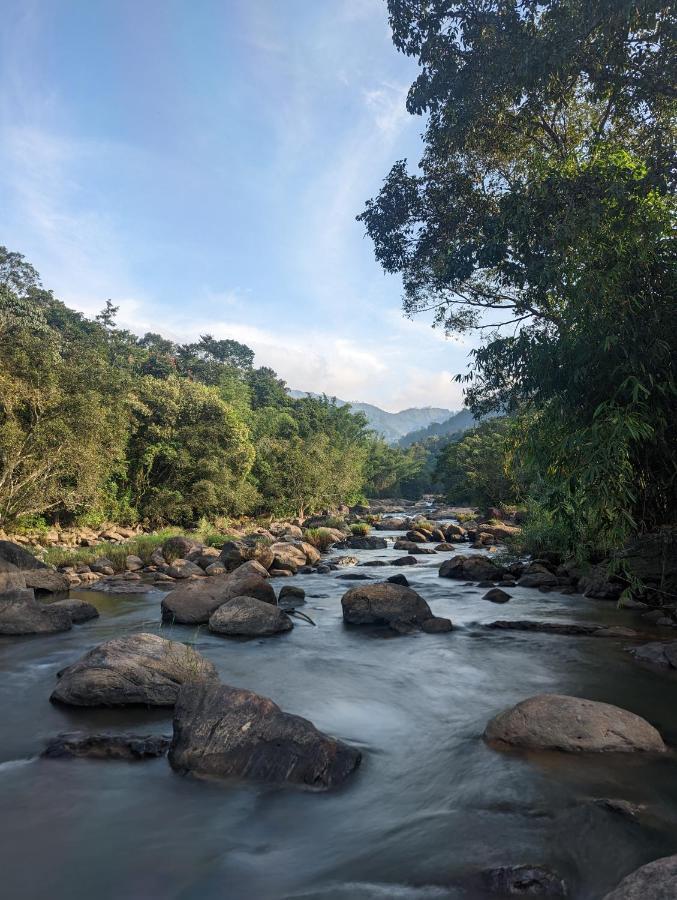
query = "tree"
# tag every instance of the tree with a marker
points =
(62, 417)
(477, 468)
(189, 454)
(542, 214)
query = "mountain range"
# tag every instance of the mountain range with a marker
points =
(396, 426)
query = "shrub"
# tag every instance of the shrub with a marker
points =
(321, 538)
(142, 546)
(359, 529)
(334, 522)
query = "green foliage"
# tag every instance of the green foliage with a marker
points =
(360, 529)
(99, 425)
(142, 546)
(321, 538)
(478, 469)
(543, 211)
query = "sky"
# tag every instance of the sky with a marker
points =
(201, 164)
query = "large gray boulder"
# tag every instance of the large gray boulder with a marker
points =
(194, 602)
(471, 568)
(37, 575)
(11, 578)
(287, 556)
(233, 733)
(384, 604)
(656, 880)
(142, 669)
(234, 553)
(249, 617)
(572, 724)
(21, 613)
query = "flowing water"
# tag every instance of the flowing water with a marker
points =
(430, 805)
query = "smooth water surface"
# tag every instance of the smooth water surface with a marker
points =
(430, 805)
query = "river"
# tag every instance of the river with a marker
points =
(430, 805)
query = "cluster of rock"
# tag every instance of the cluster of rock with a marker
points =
(22, 613)
(218, 730)
(76, 536)
(183, 558)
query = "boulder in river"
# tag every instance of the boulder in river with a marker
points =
(194, 602)
(11, 578)
(343, 562)
(496, 595)
(405, 561)
(230, 732)
(471, 568)
(573, 725)
(249, 617)
(656, 880)
(235, 553)
(142, 669)
(79, 610)
(384, 604)
(177, 547)
(291, 595)
(287, 557)
(366, 542)
(107, 745)
(398, 579)
(37, 575)
(21, 613)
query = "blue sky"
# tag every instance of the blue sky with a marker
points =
(201, 163)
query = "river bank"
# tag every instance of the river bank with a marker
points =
(431, 806)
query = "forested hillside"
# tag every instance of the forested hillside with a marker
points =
(99, 424)
(393, 427)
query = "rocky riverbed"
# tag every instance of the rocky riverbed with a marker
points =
(435, 809)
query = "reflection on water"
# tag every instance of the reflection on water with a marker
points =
(430, 805)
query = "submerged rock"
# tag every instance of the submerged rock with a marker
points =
(584, 629)
(79, 610)
(572, 724)
(385, 603)
(249, 617)
(142, 669)
(657, 653)
(523, 881)
(655, 881)
(230, 732)
(106, 745)
(436, 625)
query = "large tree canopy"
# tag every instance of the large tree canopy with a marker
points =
(541, 214)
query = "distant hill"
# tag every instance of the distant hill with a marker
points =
(455, 424)
(393, 426)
